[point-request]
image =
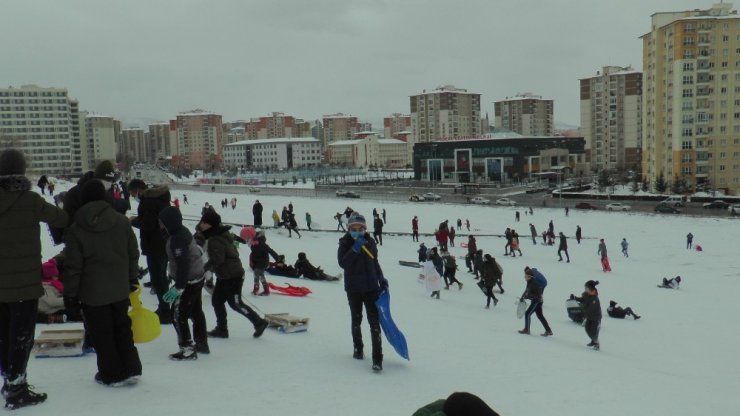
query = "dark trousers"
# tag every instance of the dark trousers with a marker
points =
(535, 307)
(292, 230)
(378, 237)
(356, 302)
(110, 332)
(158, 274)
(415, 235)
(450, 277)
(230, 291)
(17, 327)
(566, 254)
(490, 295)
(592, 329)
(190, 306)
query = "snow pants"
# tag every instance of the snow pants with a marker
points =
(189, 306)
(356, 302)
(230, 291)
(592, 329)
(110, 332)
(17, 327)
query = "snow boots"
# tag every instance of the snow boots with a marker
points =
(357, 354)
(378, 364)
(547, 334)
(21, 395)
(265, 290)
(255, 289)
(202, 347)
(186, 352)
(218, 332)
(259, 328)
(524, 331)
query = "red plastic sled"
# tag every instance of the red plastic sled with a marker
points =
(698, 248)
(605, 264)
(290, 290)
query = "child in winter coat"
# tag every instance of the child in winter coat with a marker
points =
(592, 312)
(490, 274)
(619, 312)
(186, 269)
(671, 283)
(450, 270)
(275, 219)
(224, 262)
(308, 270)
(422, 253)
(279, 268)
(259, 261)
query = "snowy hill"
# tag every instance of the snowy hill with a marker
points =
(679, 359)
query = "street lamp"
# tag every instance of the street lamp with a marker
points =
(433, 164)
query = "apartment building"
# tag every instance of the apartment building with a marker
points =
(526, 114)
(611, 118)
(45, 124)
(445, 112)
(396, 125)
(691, 111)
(277, 125)
(163, 140)
(337, 127)
(134, 145)
(273, 154)
(200, 139)
(101, 133)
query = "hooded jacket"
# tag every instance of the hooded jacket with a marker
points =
(491, 273)
(101, 256)
(591, 306)
(153, 201)
(21, 210)
(361, 273)
(261, 252)
(223, 257)
(185, 256)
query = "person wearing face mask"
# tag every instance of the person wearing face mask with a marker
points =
(151, 202)
(363, 281)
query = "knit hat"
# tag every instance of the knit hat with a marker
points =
(612, 303)
(105, 171)
(12, 162)
(357, 219)
(211, 218)
(92, 190)
(466, 404)
(591, 284)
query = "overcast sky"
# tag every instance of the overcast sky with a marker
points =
(147, 60)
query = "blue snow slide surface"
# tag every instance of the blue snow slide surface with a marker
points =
(392, 333)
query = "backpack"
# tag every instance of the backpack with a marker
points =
(539, 278)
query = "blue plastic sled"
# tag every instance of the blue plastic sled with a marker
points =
(392, 333)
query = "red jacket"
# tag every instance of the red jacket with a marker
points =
(415, 224)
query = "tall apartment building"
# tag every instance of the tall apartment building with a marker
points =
(611, 118)
(444, 112)
(134, 146)
(277, 125)
(47, 125)
(200, 139)
(163, 140)
(691, 111)
(396, 123)
(338, 127)
(526, 114)
(100, 138)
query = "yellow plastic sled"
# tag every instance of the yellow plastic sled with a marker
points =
(144, 323)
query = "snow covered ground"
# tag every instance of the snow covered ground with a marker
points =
(679, 359)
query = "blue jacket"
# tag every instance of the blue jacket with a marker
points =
(361, 273)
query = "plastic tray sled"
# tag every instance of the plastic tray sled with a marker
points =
(287, 323)
(59, 343)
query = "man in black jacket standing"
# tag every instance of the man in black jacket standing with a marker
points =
(151, 202)
(563, 247)
(363, 281)
(257, 213)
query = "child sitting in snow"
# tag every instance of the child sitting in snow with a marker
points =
(279, 268)
(308, 270)
(671, 283)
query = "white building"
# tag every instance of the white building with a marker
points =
(370, 151)
(46, 125)
(273, 154)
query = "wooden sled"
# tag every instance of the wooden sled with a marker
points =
(409, 263)
(286, 323)
(59, 343)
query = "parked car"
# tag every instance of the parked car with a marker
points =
(431, 196)
(665, 208)
(586, 205)
(734, 209)
(416, 198)
(254, 190)
(675, 200)
(347, 194)
(480, 200)
(505, 201)
(718, 204)
(617, 206)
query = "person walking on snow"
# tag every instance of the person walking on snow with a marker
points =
(363, 282)
(378, 230)
(450, 270)
(604, 257)
(490, 276)
(384, 221)
(578, 234)
(259, 259)
(592, 312)
(563, 247)
(224, 262)
(451, 236)
(534, 293)
(625, 246)
(467, 224)
(533, 230)
(459, 224)
(415, 229)
(308, 221)
(689, 240)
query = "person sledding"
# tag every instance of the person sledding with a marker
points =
(309, 271)
(671, 283)
(619, 312)
(279, 268)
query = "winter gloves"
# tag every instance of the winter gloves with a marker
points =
(172, 295)
(357, 246)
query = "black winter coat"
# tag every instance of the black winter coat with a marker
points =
(257, 213)
(361, 273)
(533, 290)
(591, 306)
(260, 254)
(153, 201)
(378, 225)
(223, 257)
